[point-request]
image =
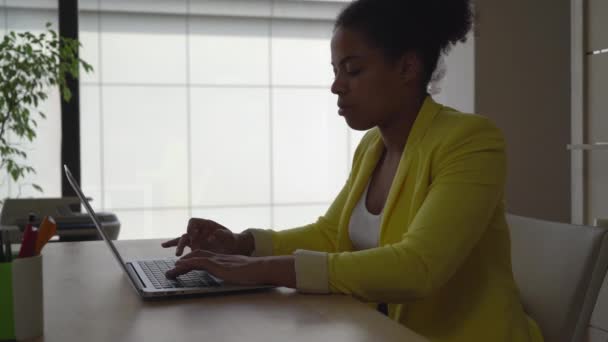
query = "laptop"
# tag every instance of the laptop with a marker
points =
(148, 275)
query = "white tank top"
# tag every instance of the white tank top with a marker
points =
(364, 227)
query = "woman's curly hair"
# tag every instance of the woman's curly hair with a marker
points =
(430, 27)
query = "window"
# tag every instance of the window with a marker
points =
(25, 16)
(211, 108)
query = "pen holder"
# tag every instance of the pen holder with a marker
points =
(21, 299)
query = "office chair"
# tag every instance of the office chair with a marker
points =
(559, 269)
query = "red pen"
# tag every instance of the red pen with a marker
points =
(28, 243)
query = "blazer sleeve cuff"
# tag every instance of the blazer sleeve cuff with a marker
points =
(311, 271)
(262, 242)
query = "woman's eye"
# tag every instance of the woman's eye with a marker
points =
(347, 71)
(353, 72)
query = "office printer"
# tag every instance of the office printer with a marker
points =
(71, 225)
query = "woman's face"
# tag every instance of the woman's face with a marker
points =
(370, 89)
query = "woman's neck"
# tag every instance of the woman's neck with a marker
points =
(396, 131)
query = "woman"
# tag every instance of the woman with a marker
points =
(420, 223)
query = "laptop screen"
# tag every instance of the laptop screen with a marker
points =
(93, 216)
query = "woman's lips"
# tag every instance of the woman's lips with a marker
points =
(343, 109)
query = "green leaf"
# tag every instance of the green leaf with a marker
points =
(67, 94)
(16, 174)
(29, 64)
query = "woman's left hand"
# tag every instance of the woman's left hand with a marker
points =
(239, 269)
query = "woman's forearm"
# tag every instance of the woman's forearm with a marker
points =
(280, 270)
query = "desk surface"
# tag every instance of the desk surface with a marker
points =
(87, 297)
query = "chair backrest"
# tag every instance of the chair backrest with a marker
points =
(559, 269)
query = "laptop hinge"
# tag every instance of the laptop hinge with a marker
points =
(133, 274)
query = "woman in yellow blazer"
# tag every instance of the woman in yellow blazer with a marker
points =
(434, 178)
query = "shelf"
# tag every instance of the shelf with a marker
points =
(595, 146)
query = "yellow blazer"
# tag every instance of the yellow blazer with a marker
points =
(443, 262)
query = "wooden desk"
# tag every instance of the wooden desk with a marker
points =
(88, 298)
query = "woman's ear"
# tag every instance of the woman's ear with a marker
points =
(410, 67)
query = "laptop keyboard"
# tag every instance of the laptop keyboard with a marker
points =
(155, 270)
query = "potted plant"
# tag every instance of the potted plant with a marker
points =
(30, 65)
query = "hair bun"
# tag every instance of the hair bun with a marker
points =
(451, 20)
(429, 27)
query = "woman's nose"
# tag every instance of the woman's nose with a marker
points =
(338, 87)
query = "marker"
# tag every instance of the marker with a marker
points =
(46, 231)
(28, 243)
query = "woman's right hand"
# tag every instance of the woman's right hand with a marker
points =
(212, 236)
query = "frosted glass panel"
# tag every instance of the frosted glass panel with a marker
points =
(232, 8)
(152, 224)
(32, 3)
(44, 153)
(90, 144)
(145, 147)
(354, 138)
(458, 85)
(286, 217)
(143, 48)
(2, 21)
(237, 219)
(229, 51)
(4, 185)
(31, 20)
(310, 144)
(4, 177)
(89, 38)
(230, 132)
(181, 111)
(88, 5)
(139, 6)
(307, 9)
(300, 52)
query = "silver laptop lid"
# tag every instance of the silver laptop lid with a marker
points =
(94, 218)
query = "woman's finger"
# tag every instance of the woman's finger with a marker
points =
(200, 263)
(194, 224)
(175, 272)
(194, 239)
(183, 266)
(170, 243)
(198, 253)
(183, 242)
